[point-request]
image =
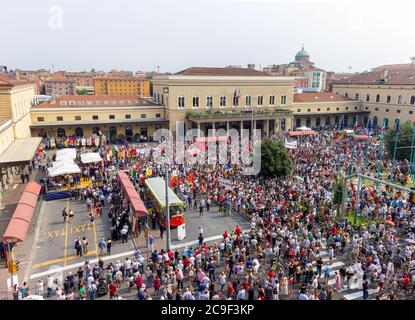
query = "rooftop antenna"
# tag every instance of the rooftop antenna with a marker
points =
(158, 69)
(53, 68)
(350, 69)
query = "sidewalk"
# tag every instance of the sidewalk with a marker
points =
(22, 250)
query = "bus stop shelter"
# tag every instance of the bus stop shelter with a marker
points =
(137, 205)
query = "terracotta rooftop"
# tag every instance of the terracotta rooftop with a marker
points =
(383, 77)
(97, 97)
(119, 78)
(398, 66)
(8, 81)
(229, 71)
(318, 97)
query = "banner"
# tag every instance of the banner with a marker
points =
(291, 145)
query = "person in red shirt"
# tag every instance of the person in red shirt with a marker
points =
(113, 289)
(230, 289)
(139, 282)
(238, 230)
(225, 235)
(186, 262)
(156, 284)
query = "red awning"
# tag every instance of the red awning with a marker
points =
(20, 221)
(301, 133)
(16, 231)
(137, 204)
(23, 212)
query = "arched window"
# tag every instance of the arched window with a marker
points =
(308, 122)
(113, 132)
(346, 95)
(367, 97)
(61, 132)
(378, 98)
(400, 100)
(386, 122)
(388, 99)
(298, 122)
(95, 130)
(413, 100)
(356, 97)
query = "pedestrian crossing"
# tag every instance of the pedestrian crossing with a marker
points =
(348, 294)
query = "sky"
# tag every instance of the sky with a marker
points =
(134, 35)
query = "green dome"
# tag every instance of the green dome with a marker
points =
(302, 53)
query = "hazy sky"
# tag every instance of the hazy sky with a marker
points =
(176, 34)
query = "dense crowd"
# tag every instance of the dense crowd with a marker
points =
(292, 221)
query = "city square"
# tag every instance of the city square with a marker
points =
(213, 183)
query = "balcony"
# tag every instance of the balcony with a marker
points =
(239, 115)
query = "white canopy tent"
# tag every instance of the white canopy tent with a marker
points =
(64, 154)
(63, 167)
(303, 128)
(90, 157)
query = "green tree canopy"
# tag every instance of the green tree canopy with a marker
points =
(275, 161)
(403, 150)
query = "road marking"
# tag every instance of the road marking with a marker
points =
(66, 235)
(359, 294)
(49, 262)
(114, 256)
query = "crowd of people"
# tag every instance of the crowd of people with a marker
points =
(293, 220)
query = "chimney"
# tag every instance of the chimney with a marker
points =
(251, 66)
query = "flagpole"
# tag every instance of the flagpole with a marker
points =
(412, 157)
(367, 147)
(340, 147)
(394, 151)
(379, 173)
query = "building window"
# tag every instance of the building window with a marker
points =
(328, 109)
(376, 109)
(411, 112)
(378, 98)
(355, 108)
(309, 110)
(95, 117)
(412, 100)
(367, 97)
(387, 110)
(128, 116)
(112, 117)
(337, 109)
(284, 99)
(398, 111)
(235, 101)
(209, 102)
(388, 99)
(195, 102)
(271, 100)
(143, 116)
(346, 95)
(40, 119)
(318, 121)
(180, 102)
(356, 97)
(222, 102)
(77, 118)
(298, 110)
(366, 108)
(318, 109)
(260, 100)
(347, 108)
(400, 100)
(59, 118)
(248, 101)
(158, 115)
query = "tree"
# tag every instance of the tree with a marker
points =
(275, 161)
(403, 150)
(81, 92)
(338, 193)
